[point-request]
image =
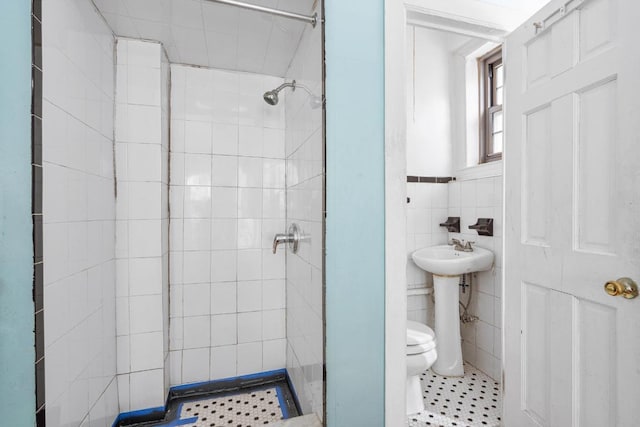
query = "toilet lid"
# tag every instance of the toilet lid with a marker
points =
(420, 338)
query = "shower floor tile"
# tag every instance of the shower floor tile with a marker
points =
(474, 400)
(247, 401)
(252, 408)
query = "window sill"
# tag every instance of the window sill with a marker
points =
(484, 170)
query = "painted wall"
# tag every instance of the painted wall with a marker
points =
(430, 135)
(17, 354)
(305, 179)
(227, 199)
(78, 215)
(429, 124)
(355, 276)
(142, 226)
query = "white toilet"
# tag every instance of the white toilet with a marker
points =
(421, 353)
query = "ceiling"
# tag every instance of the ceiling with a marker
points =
(200, 32)
(521, 9)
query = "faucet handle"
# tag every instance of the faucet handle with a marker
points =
(468, 244)
(455, 241)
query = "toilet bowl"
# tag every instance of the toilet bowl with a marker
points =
(421, 354)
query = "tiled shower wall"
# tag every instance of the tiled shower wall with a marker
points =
(305, 183)
(142, 223)
(227, 201)
(78, 215)
(481, 340)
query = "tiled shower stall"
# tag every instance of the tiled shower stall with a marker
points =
(164, 185)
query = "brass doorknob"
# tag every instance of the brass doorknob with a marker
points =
(623, 286)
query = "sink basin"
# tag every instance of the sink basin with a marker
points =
(445, 261)
(447, 265)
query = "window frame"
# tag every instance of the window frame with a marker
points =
(487, 95)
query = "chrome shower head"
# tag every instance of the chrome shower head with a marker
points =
(271, 97)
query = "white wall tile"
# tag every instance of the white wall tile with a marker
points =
(249, 233)
(250, 172)
(196, 332)
(196, 267)
(225, 171)
(123, 392)
(223, 298)
(175, 369)
(225, 139)
(273, 324)
(144, 200)
(197, 169)
(223, 329)
(273, 204)
(145, 276)
(249, 296)
(273, 294)
(225, 202)
(249, 264)
(146, 389)
(249, 327)
(197, 202)
(249, 358)
(272, 143)
(196, 234)
(195, 365)
(224, 234)
(273, 265)
(223, 362)
(196, 300)
(273, 173)
(250, 141)
(146, 351)
(143, 86)
(145, 314)
(176, 331)
(145, 238)
(197, 137)
(249, 203)
(274, 354)
(223, 266)
(123, 362)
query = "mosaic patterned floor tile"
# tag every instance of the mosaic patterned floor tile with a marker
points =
(253, 408)
(474, 400)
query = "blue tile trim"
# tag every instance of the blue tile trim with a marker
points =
(242, 377)
(283, 404)
(136, 414)
(161, 410)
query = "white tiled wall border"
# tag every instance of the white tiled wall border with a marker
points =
(305, 169)
(142, 212)
(78, 215)
(227, 201)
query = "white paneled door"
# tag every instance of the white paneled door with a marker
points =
(572, 162)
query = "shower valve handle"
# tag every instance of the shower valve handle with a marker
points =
(292, 238)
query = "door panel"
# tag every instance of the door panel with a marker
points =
(595, 169)
(572, 215)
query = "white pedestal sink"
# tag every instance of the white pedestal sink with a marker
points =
(447, 264)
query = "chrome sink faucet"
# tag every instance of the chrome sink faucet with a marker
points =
(461, 245)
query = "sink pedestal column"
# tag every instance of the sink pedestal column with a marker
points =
(447, 322)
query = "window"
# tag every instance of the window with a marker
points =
(491, 117)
